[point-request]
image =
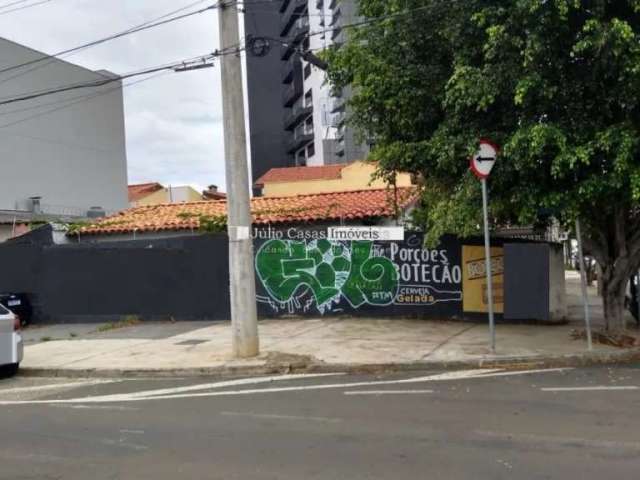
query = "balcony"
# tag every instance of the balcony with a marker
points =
(289, 69)
(335, 18)
(284, 5)
(335, 32)
(292, 93)
(339, 119)
(301, 28)
(297, 113)
(285, 52)
(302, 135)
(293, 11)
(337, 104)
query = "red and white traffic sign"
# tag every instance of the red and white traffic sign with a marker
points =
(482, 162)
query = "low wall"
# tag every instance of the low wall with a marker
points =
(186, 278)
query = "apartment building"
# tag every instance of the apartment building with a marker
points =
(62, 156)
(295, 117)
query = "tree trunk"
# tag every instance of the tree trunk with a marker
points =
(613, 294)
(614, 241)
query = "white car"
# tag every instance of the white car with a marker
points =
(11, 348)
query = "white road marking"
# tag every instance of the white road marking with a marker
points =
(54, 386)
(525, 372)
(595, 388)
(205, 386)
(272, 416)
(123, 444)
(387, 392)
(97, 407)
(189, 391)
(142, 395)
(132, 432)
(563, 441)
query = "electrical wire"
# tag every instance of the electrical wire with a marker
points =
(53, 58)
(58, 102)
(11, 4)
(24, 7)
(138, 28)
(76, 100)
(233, 50)
(289, 41)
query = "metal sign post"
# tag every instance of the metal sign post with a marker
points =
(583, 286)
(481, 165)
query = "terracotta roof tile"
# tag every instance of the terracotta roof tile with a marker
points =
(136, 192)
(352, 205)
(298, 174)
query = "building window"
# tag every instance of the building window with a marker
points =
(308, 125)
(307, 70)
(311, 150)
(308, 99)
(301, 158)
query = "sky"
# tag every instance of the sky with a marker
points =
(173, 121)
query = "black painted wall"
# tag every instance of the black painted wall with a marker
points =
(183, 278)
(186, 278)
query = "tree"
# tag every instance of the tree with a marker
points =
(555, 82)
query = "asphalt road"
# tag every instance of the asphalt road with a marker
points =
(549, 425)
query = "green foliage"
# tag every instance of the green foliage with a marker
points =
(207, 223)
(557, 83)
(213, 223)
(74, 228)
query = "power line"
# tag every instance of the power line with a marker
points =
(76, 100)
(24, 7)
(138, 28)
(80, 97)
(51, 59)
(368, 21)
(11, 4)
(178, 66)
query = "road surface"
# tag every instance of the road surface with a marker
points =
(557, 424)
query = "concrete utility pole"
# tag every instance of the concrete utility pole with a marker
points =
(244, 318)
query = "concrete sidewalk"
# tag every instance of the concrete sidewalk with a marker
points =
(321, 344)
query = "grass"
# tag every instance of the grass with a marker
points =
(128, 321)
(45, 339)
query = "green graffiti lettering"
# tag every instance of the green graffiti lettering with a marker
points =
(329, 270)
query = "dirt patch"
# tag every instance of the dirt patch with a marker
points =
(619, 340)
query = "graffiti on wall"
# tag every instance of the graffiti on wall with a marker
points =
(302, 276)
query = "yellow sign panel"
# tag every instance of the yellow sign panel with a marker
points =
(474, 279)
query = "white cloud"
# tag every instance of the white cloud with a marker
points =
(173, 122)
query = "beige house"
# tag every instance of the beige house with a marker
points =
(285, 182)
(156, 194)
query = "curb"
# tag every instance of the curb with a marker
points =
(230, 370)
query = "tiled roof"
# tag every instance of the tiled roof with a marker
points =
(299, 174)
(141, 190)
(355, 205)
(214, 195)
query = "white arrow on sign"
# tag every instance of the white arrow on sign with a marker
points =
(482, 162)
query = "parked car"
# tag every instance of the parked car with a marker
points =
(19, 304)
(11, 348)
